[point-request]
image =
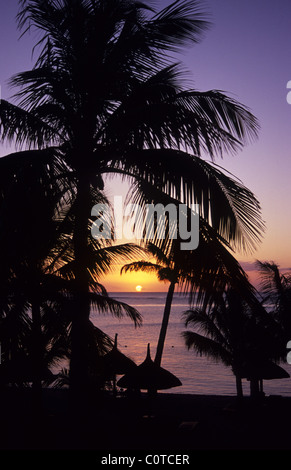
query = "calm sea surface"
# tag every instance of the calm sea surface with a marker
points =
(198, 375)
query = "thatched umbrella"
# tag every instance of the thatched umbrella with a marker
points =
(149, 376)
(262, 370)
(117, 363)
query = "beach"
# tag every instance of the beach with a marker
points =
(168, 422)
(208, 418)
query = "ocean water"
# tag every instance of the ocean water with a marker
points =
(199, 375)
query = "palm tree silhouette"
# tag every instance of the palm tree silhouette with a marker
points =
(105, 95)
(37, 263)
(33, 188)
(203, 273)
(230, 332)
(275, 288)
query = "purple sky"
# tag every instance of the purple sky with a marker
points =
(246, 53)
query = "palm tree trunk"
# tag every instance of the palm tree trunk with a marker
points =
(239, 389)
(254, 388)
(79, 374)
(37, 351)
(165, 322)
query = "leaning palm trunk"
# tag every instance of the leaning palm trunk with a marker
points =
(164, 326)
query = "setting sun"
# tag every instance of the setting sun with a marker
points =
(138, 288)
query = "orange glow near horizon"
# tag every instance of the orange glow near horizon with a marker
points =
(145, 282)
(115, 282)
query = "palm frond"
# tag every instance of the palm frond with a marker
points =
(204, 323)
(22, 127)
(158, 113)
(271, 280)
(144, 266)
(206, 347)
(224, 124)
(179, 22)
(224, 202)
(163, 273)
(105, 304)
(101, 341)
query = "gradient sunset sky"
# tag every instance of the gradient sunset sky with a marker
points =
(246, 54)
